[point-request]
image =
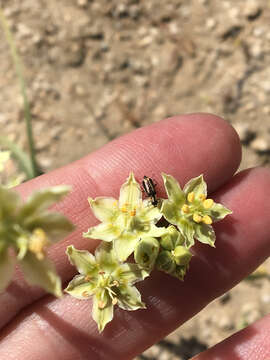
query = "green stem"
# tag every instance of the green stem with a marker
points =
(27, 112)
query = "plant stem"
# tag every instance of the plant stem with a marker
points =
(27, 112)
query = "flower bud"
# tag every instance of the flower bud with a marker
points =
(165, 262)
(180, 272)
(171, 238)
(181, 255)
(146, 252)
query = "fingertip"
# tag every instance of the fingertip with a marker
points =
(211, 143)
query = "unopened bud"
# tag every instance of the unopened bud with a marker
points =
(146, 252)
(165, 262)
(181, 255)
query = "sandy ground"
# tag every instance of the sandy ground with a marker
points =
(98, 69)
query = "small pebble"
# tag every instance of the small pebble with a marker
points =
(244, 132)
(82, 3)
(225, 323)
(211, 23)
(265, 297)
(251, 9)
(260, 145)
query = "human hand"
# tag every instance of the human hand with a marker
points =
(37, 326)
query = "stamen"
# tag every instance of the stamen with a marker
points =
(207, 220)
(197, 218)
(101, 272)
(191, 196)
(124, 209)
(208, 203)
(85, 294)
(185, 209)
(202, 197)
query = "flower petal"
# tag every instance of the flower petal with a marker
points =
(106, 257)
(130, 193)
(205, 234)
(7, 264)
(55, 225)
(9, 202)
(173, 189)
(42, 199)
(129, 298)
(104, 231)
(41, 273)
(130, 273)
(102, 316)
(104, 208)
(124, 245)
(171, 212)
(79, 288)
(150, 212)
(196, 185)
(218, 212)
(187, 229)
(156, 231)
(84, 261)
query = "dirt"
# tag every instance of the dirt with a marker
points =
(98, 69)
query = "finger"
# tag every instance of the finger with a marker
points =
(241, 246)
(183, 146)
(251, 343)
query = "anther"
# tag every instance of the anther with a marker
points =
(191, 196)
(202, 197)
(85, 294)
(197, 218)
(133, 212)
(185, 209)
(208, 203)
(207, 220)
(87, 278)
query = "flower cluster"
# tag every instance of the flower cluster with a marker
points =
(133, 242)
(129, 226)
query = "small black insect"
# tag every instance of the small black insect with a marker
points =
(149, 188)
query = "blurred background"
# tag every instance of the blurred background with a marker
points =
(96, 69)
